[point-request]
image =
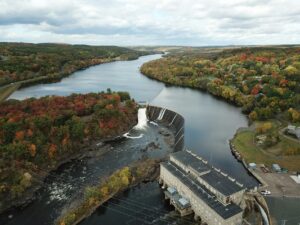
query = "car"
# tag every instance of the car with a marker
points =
(265, 192)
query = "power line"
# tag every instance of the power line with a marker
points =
(133, 210)
(126, 214)
(136, 217)
(159, 211)
(140, 212)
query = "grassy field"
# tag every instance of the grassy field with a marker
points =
(6, 91)
(244, 142)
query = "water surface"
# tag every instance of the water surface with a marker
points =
(209, 124)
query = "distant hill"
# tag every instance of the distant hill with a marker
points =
(24, 61)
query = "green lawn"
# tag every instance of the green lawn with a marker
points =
(244, 143)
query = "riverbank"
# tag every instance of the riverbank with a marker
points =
(281, 185)
(91, 150)
(205, 136)
(249, 144)
(49, 138)
(9, 89)
(119, 181)
(144, 170)
(94, 150)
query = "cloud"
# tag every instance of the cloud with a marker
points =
(134, 22)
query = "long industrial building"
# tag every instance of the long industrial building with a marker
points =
(193, 186)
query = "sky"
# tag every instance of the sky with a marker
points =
(151, 22)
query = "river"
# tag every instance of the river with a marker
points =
(209, 124)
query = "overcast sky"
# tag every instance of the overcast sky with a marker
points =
(151, 22)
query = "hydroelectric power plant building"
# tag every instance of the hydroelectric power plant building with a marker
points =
(193, 186)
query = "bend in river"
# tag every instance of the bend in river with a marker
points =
(209, 124)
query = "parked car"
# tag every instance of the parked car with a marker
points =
(265, 192)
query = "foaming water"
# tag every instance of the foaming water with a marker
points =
(140, 127)
(142, 120)
(127, 135)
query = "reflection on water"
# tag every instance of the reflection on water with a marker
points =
(209, 123)
(119, 76)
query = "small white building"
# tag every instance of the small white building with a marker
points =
(252, 165)
(293, 130)
(276, 167)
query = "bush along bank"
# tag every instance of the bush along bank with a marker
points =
(94, 196)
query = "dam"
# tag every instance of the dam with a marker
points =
(171, 119)
(192, 185)
(204, 136)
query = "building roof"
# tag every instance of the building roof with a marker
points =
(184, 202)
(221, 183)
(214, 178)
(201, 192)
(291, 127)
(171, 190)
(189, 160)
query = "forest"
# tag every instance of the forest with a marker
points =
(24, 61)
(36, 135)
(264, 81)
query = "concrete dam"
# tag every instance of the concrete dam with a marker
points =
(193, 186)
(171, 119)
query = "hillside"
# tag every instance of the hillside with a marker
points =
(264, 81)
(24, 61)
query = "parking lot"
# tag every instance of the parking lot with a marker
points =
(280, 184)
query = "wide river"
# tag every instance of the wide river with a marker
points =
(209, 124)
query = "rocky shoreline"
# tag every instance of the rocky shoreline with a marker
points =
(95, 149)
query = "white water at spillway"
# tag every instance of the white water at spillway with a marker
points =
(161, 114)
(142, 120)
(173, 120)
(141, 125)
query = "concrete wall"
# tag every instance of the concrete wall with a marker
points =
(169, 118)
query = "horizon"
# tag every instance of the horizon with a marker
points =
(155, 23)
(139, 46)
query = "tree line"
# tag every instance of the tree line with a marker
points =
(23, 61)
(264, 81)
